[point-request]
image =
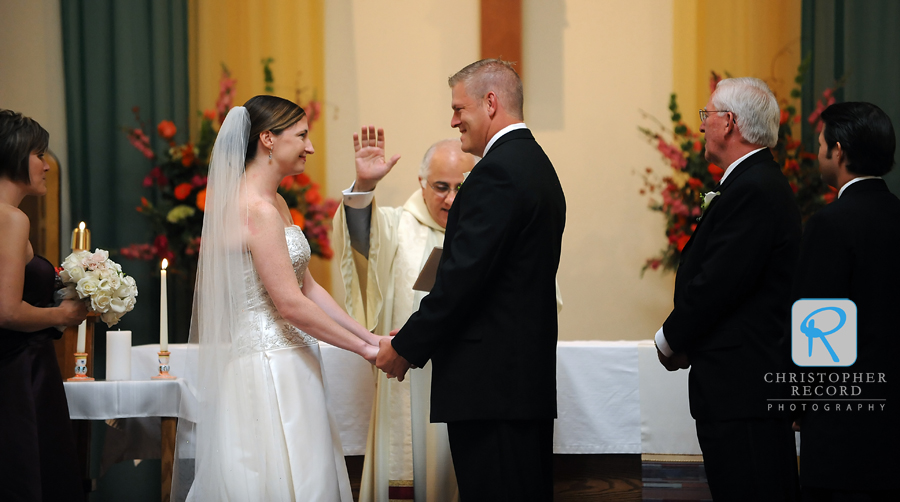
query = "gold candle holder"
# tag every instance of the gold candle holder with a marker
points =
(81, 238)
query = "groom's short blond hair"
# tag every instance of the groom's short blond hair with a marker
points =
(482, 77)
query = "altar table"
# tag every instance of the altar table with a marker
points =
(613, 397)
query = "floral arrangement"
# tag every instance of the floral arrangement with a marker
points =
(94, 276)
(679, 194)
(177, 184)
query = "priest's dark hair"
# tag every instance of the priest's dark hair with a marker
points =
(866, 136)
(269, 113)
(20, 136)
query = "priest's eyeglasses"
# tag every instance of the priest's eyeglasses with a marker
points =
(704, 114)
(443, 189)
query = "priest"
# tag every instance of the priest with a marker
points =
(382, 250)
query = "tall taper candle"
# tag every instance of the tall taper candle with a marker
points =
(163, 309)
(82, 334)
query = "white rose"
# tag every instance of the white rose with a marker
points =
(100, 301)
(118, 306)
(106, 286)
(75, 273)
(100, 255)
(87, 286)
(110, 318)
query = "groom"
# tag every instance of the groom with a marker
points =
(489, 325)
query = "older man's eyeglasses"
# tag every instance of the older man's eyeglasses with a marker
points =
(704, 114)
(443, 189)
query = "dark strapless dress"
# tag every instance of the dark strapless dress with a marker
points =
(37, 446)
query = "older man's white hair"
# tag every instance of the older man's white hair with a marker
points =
(754, 106)
(425, 166)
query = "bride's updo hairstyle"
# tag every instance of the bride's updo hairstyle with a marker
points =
(269, 113)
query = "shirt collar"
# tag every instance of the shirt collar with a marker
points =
(501, 132)
(735, 164)
(854, 180)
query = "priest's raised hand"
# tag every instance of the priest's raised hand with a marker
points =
(370, 164)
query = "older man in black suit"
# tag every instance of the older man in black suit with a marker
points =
(489, 325)
(732, 301)
(849, 250)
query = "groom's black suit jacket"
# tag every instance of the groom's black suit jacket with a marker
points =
(489, 324)
(850, 250)
(733, 292)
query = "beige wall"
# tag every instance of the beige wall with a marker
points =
(591, 66)
(31, 77)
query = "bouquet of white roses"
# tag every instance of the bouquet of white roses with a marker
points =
(95, 276)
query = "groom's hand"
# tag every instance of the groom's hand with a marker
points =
(389, 361)
(678, 360)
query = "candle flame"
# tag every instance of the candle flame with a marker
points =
(165, 263)
(81, 225)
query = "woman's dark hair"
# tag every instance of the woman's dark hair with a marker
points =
(269, 113)
(866, 136)
(20, 136)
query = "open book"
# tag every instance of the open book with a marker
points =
(426, 278)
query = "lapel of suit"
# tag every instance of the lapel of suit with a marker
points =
(758, 157)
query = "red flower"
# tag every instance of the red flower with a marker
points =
(698, 146)
(312, 195)
(794, 187)
(681, 241)
(287, 182)
(183, 190)
(695, 183)
(302, 179)
(198, 181)
(166, 129)
(716, 172)
(209, 114)
(187, 155)
(784, 117)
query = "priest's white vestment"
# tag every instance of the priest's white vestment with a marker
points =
(403, 446)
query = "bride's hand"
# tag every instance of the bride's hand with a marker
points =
(370, 164)
(370, 353)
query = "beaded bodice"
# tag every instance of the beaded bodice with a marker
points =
(262, 327)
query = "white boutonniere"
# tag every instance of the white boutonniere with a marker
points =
(708, 198)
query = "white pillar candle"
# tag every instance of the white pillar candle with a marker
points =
(118, 355)
(163, 309)
(82, 334)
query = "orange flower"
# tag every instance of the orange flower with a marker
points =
(183, 190)
(298, 218)
(695, 183)
(313, 196)
(302, 179)
(784, 117)
(166, 129)
(698, 146)
(201, 200)
(209, 114)
(287, 183)
(187, 155)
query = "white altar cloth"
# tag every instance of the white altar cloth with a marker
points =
(613, 397)
(102, 400)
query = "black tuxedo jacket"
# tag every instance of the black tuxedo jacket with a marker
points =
(733, 292)
(489, 324)
(850, 250)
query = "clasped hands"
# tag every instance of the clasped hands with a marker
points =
(389, 361)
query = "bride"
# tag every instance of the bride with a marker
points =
(264, 431)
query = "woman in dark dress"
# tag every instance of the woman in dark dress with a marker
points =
(37, 446)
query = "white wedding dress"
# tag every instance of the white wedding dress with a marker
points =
(277, 369)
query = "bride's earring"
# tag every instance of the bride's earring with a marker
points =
(270, 155)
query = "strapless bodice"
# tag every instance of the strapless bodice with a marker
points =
(262, 327)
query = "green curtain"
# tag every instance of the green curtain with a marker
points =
(119, 54)
(856, 40)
